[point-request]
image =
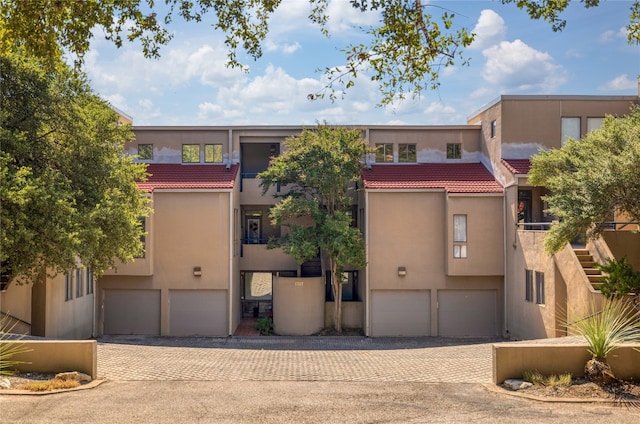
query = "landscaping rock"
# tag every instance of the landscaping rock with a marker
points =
(516, 384)
(74, 375)
(5, 383)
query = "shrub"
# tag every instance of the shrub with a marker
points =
(9, 350)
(619, 278)
(265, 326)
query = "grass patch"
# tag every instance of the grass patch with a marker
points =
(48, 385)
(554, 380)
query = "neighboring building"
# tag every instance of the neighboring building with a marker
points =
(449, 253)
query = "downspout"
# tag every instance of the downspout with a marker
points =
(505, 325)
(367, 309)
(231, 253)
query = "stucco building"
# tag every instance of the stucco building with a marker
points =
(448, 251)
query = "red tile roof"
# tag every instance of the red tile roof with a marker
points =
(517, 166)
(451, 177)
(178, 176)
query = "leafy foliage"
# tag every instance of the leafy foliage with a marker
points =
(406, 52)
(265, 326)
(620, 279)
(68, 190)
(591, 178)
(319, 169)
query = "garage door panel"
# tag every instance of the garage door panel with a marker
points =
(467, 313)
(198, 312)
(400, 313)
(132, 312)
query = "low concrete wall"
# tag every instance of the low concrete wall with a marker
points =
(510, 360)
(58, 356)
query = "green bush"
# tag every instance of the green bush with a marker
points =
(265, 326)
(619, 278)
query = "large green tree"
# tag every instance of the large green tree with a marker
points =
(319, 168)
(591, 178)
(413, 42)
(67, 189)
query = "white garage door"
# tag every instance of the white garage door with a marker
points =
(132, 312)
(198, 312)
(467, 313)
(400, 313)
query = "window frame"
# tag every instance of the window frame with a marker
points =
(460, 236)
(186, 153)
(384, 156)
(454, 150)
(566, 129)
(528, 285)
(213, 153)
(79, 285)
(145, 157)
(407, 153)
(494, 128)
(540, 289)
(89, 281)
(68, 287)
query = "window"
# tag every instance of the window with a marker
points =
(89, 281)
(459, 236)
(407, 153)
(540, 288)
(454, 151)
(384, 152)
(349, 286)
(528, 285)
(68, 287)
(594, 124)
(213, 153)
(494, 128)
(190, 153)
(145, 151)
(570, 129)
(79, 285)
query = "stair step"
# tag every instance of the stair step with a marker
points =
(592, 271)
(585, 258)
(581, 252)
(587, 264)
(595, 278)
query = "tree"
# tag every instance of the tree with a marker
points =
(405, 54)
(590, 179)
(319, 168)
(68, 189)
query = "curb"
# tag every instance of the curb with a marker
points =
(501, 391)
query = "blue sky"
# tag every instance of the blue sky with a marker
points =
(190, 84)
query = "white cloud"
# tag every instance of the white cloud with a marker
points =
(619, 83)
(343, 17)
(517, 66)
(490, 29)
(272, 46)
(610, 36)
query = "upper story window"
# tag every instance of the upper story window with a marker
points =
(570, 129)
(79, 286)
(145, 151)
(494, 128)
(528, 285)
(213, 153)
(384, 152)
(459, 236)
(406, 153)
(68, 286)
(190, 153)
(594, 124)
(540, 300)
(454, 151)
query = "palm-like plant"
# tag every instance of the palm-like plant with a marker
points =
(616, 323)
(8, 347)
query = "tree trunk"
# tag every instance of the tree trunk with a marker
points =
(599, 372)
(336, 288)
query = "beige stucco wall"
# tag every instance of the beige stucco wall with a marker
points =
(352, 314)
(298, 305)
(485, 234)
(191, 229)
(16, 301)
(58, 356)
(167, 141)
(409, 229)
(72, 319)
(624, 244)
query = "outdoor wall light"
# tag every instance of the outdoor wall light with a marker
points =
(197, 271)
(402, 271)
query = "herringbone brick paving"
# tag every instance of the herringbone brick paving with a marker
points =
(429, 360)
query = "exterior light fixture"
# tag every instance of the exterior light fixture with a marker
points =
(402, 271)
(197, 271)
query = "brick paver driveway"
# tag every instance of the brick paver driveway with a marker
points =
(429, 360)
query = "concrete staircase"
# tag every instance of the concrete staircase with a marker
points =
(588, 265)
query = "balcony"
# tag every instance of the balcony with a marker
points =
(256, 256)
